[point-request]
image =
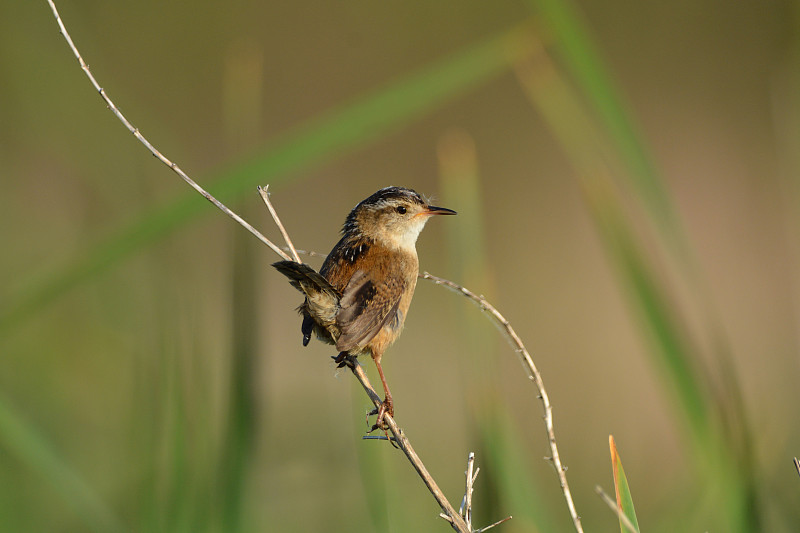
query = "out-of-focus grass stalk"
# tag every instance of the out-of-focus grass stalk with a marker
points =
(637, 174)
(599, 163)
(18, 438)
(785, 103)
(786, 117)
(372, 468)
(242, 96)
(173, 474)
(466, 241)
(467, 247)
(174, 454)
(574, 46)
(508, 457)
(331, 134)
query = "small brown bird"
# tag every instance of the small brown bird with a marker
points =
(360, 297)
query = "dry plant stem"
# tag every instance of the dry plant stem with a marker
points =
(453, 517)
(466, 504)
(490, 526)
(481, 530)
(152, 148)
(533, 375)
(797, 465)
(449, 512)
(264, 192)
(611, 502)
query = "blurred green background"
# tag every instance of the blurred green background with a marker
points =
(626, 181)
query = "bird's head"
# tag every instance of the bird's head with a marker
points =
(393, 216)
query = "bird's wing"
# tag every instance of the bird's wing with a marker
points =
(366, 306)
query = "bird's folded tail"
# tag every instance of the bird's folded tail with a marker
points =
(305, 279)
(322, 299)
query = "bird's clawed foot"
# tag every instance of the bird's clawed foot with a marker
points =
(344, 359)
(386, 408)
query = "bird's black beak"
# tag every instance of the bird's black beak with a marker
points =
(433, 210)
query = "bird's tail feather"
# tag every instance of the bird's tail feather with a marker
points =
(308, 281)
(304, 278)
(322, 299)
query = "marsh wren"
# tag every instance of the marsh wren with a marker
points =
(359, 299)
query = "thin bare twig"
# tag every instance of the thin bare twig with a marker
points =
(450, 514)
(453, 517)
(490, 526)
(135, 131)
(533, 375)
(264, 192)
(797, 465)
(612, 503)
(466, 503)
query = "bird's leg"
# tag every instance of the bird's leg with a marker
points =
(387, 405)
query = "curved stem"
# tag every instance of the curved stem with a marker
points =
(533, 375)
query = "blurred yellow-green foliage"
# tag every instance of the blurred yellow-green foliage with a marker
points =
(626, 181)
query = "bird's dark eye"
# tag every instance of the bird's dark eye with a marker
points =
(401, 210)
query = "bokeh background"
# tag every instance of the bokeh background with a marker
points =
(626, 181)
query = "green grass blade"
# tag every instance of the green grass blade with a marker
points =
(239, 436)
(242, 101)
(629, 241)
(624, 498)
(583, 61)
(20, 439)
(372, 470)
(507, 465)
(657, 315)
(594, 161)
(336, 132)
(508, 485)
